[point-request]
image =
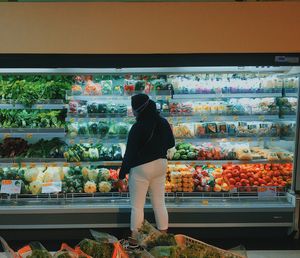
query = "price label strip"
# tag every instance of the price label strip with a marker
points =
(52, 187)
(11, 186)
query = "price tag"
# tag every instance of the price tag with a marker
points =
(188, 119)
(90, 140)
(171, 120)
(232, 139)
(204, 118)
(32, 165)
(29, 136)
(72, 142)
(261, 118)
(179, 119)
(6, 135)
(93, 119)
(265, 192)
(66, 164)
(78, 164)
(204, 202)
(80, 120)
(23, 165)
(218, 118)
(53, 165)
(235, 118)
(233, 190)
(250, 140)
(273, 139)
(39, 106)
(81, 141)
(51, 187)
(72, 120)
(261, 139)
(15, 165)
(11, 186)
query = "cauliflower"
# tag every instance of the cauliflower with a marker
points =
(93, 174)
(31, 174)
(85, 173)
(104, 174)
(35, 187)
(52, 174)
(90, 187)
(104, 187)
(40, 177)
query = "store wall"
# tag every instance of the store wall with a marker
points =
(149, 27)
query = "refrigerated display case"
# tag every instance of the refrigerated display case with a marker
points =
(64, 120)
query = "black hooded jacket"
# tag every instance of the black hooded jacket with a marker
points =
(149, 139)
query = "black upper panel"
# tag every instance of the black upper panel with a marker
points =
(144, 60)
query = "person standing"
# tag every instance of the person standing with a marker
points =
(145, 161)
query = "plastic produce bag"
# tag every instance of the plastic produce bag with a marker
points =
(9, 253)
(165, 251)
(96, 249)
(68, 252)
(34, 250)
(103, 237)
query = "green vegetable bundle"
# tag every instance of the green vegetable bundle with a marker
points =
(31, 119)
(31, 89)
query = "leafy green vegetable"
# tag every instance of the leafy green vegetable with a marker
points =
(31, 89)
(32, 119)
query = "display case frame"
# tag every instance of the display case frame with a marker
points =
(64, 212)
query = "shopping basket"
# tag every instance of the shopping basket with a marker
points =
(183, 241)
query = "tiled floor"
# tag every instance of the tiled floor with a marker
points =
(274, 254)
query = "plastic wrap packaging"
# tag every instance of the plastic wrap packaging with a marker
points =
(73, 130)
(243, 152)
(184, 130)
(68, 252)
(200, 129)
(9, 253)
(34, 250)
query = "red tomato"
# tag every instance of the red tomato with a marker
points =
(243, 176)
(232, 181)
(237, 179)
(229, 175)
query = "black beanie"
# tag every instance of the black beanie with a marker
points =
(138, 100)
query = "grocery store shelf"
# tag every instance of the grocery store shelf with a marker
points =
(178, 118)
(193, 96)
(183, 118)
(99, 117)
(29, 133)
(220, 162)
(228, 138)
(95, 140)
(26, 162)
(57, 104)
(7, 162)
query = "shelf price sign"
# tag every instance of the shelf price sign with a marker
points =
(52, 187)
(29, 136)
(11, 186)
(6, 135)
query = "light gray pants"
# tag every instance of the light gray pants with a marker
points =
(150, 176)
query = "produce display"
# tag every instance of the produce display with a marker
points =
(94, 152)
(254, 175)
(216, 130)
(230, 83)
(31, 119)
(76, 179)
(32, 89)
(20, 148)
